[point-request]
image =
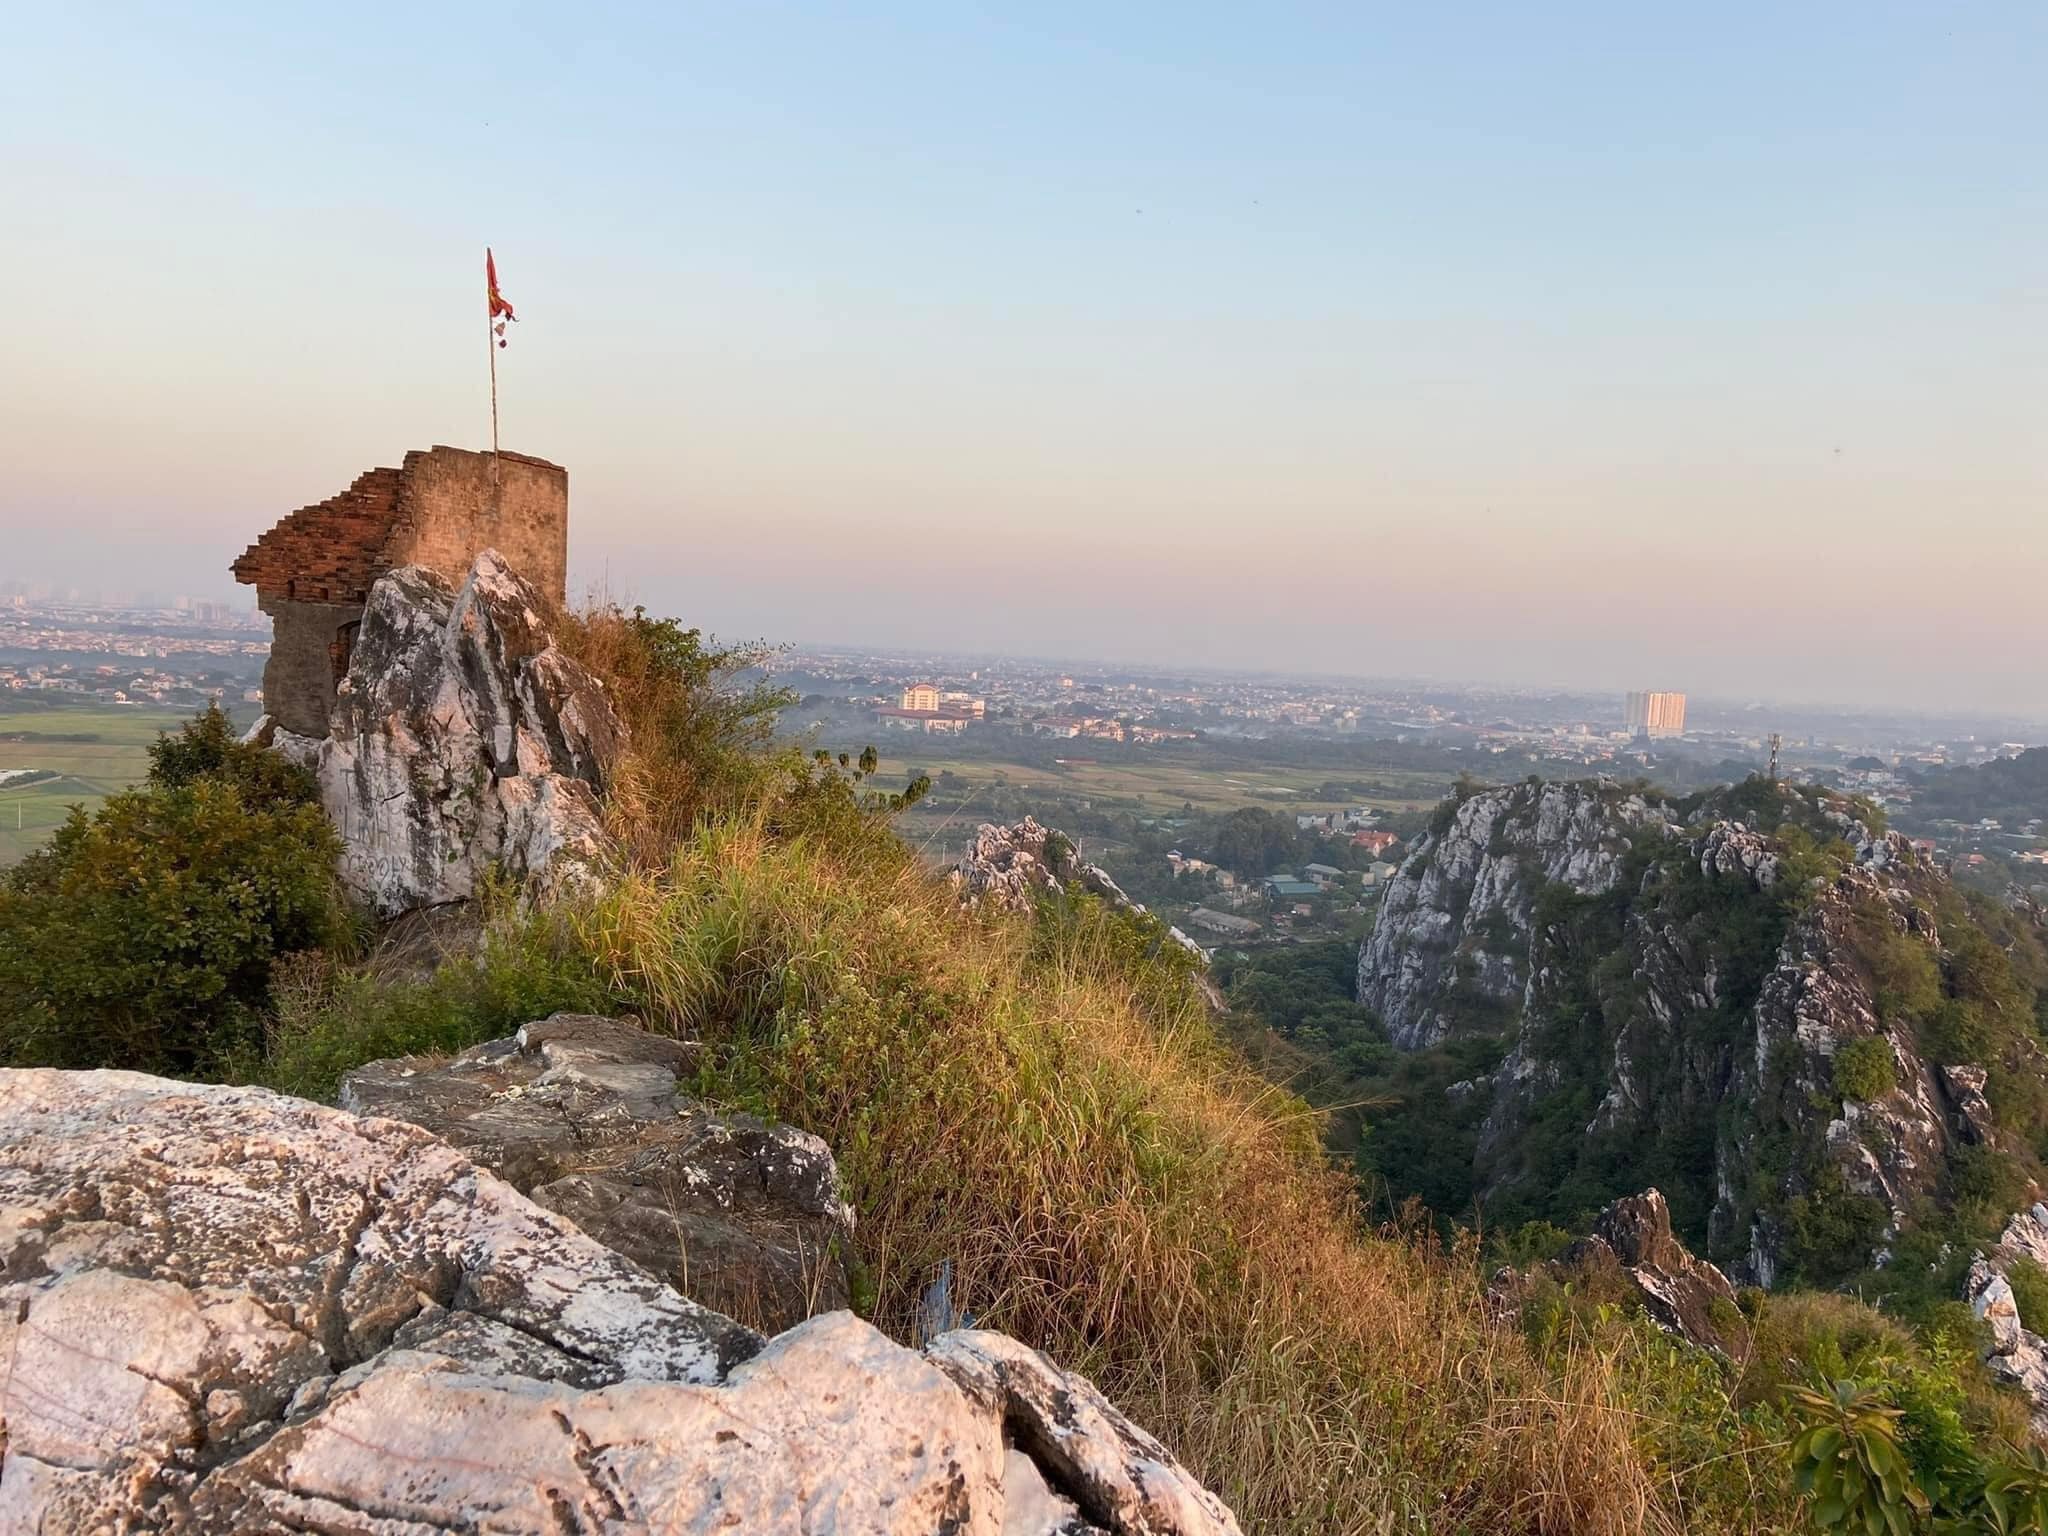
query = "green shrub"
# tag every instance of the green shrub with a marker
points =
(2029, 1283)
(328, 1019)
(1832, 1231)
(206, 749)
(1866, 1069)
(143, 936)
(1903, 968)
(1533, 1242)
(1848, 1462)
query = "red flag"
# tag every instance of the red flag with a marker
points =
(501, 308)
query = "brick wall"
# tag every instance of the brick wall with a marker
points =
(330, 551)
(313, 571)
(450, 505)
(298, 679)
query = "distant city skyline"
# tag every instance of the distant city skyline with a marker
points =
(1579, 347)
(1620, 699)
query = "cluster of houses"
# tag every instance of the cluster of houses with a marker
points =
(934, 710)
(1283, 896)
(118, 685)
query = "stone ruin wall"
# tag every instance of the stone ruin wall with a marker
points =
(314, 570)
(450, 509)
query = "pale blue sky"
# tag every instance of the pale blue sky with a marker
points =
(1699, 347)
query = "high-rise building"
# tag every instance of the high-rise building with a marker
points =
(921, 697)
(1656, 714)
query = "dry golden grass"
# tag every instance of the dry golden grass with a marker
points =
(1030, 1102)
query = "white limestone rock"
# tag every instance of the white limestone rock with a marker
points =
(1116, 1475)
(586, 1116)
(222, 1309)
(464, 740)
(1009, 868)
(1461, 904)
(2016, 1354)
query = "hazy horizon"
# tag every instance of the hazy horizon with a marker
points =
(1593, 351)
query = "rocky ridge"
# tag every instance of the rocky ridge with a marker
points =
(1009, 868)
(2015, 1353)
(1612, 949)
(227, 1309)
(1681, 1293)
(1452, 934)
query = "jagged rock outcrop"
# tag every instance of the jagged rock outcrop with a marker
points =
(1687, 1021)
(1448, 951)
(2015, 1353)
(1682, 1294)
(585, 1117)
(1972, 1117)
(1009, 868)
(1888, 1152)
(462, 740)
(223, 1309)
(1632, 1239)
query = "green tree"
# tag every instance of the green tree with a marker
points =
(1866, 1069)
(144, 935)
(206, 748)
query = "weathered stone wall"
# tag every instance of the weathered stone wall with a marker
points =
(451, 506)
(299, 677)
(441, 509)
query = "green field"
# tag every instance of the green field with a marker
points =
(1166, 786)
(96, 750)
(1095, 801)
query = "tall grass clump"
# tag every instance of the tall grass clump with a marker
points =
(702, 715)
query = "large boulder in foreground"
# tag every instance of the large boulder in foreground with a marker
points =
(463, 740)
(222, 1309)
(585, 1117)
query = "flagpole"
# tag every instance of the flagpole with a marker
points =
(491, 347)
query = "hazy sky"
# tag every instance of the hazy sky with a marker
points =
(1700, 347)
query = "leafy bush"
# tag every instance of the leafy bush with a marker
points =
(206, 748)
(1832, 1231)
(1533, 1242)
(1866, 1069)
(144, 934)
(1848, 1462)
(328, 1018)
(1903, 970)
(1883, 1459)
(2029, 1283)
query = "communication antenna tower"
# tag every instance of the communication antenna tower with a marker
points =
(1777, 741)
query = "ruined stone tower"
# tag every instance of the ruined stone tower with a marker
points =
(439, 509)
